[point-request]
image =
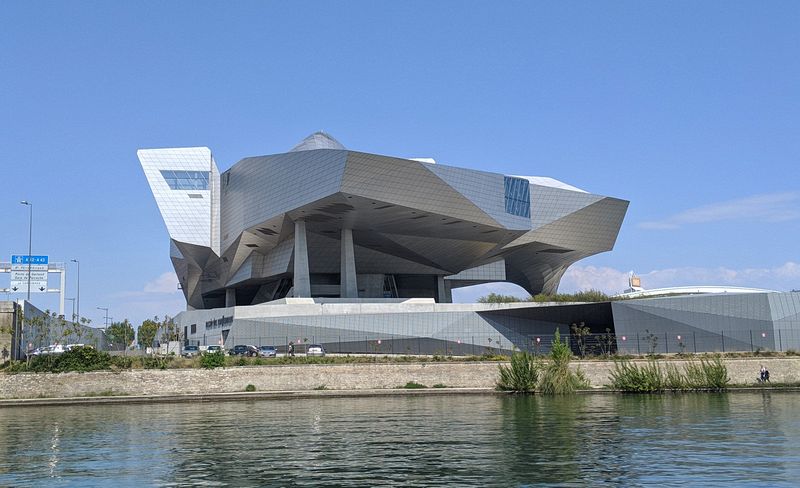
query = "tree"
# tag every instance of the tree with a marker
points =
(147, 332)
(119, 334)
(169, 330)
(497, 298)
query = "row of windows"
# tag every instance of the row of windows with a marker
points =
(186, 180)
(518, 196)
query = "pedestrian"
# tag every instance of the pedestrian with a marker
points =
(291, 349)
(5, 354)
(766, 375)
(762, 374)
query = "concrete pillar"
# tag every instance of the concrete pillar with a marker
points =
(443, 290)
(230, 297)
(302, 277)
(348, 286)
(62, 291)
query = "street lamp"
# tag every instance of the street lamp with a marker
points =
(73, 309)
(30, 238)
(105, 329)
(79, 286)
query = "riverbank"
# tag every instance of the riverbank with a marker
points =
(319, 380)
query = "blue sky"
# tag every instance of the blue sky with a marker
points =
(687, 109)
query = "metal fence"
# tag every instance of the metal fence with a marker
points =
(504, 344)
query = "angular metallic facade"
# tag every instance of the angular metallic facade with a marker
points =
(324, 221)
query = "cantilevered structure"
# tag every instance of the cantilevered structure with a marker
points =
(324, 221)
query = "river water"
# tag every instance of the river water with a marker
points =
(742, 439)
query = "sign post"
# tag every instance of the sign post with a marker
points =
(29, 268)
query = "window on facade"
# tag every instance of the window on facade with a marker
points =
(186, 180)
(518, 196)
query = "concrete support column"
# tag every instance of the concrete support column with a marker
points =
(230, 297)
(443, 290)
(302, 277)
(62, 291)
(348, 285)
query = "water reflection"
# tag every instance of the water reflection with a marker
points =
(411, 441)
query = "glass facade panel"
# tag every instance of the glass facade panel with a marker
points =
(518, 196)
(186, 180)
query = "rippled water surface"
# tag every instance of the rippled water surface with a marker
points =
(461, 440)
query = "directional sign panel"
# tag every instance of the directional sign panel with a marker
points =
(23, 259)
(21, 262)
(22, 286)
(22, 276)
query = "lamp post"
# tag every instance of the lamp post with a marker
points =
(73, 309)
(105, 329)
(30, 238)
(79, 287)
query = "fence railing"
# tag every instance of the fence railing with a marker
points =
(638, 343)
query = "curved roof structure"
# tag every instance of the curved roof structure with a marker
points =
(317, 140)
(690, 290)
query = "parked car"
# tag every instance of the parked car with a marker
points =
(36, 352)
(267, 351)
(190, 351)
(52, 349)
(213, 349)
(315, 350)
(244, 350)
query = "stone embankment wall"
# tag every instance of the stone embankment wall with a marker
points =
(331, 377)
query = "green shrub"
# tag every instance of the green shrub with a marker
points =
(557, 378)
(521, 375)
(250, 388)
(212, 360)
(715, 373)
(121, 362)
(674, 379)
(411, 385)
(76, 359)
(440, 385)
(631, 377)
(705, 375)
(157, 362)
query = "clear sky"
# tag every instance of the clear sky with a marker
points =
(690, 110)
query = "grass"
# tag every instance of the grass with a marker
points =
(706, 374)
(557, 378)
(103, 393)
(521, 375)
(413, 385)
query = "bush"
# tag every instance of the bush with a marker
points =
(157, 362)
(412, 385)
(521, 375)
(250, 388)
(557, 378)
(212, 360)
(76, 359)
(705, 375)
(630, 377)
(122, 362)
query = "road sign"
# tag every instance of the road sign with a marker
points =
(23, 259)
(36, 275)
(37, 263)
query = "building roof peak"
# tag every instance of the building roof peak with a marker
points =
(317, 140)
